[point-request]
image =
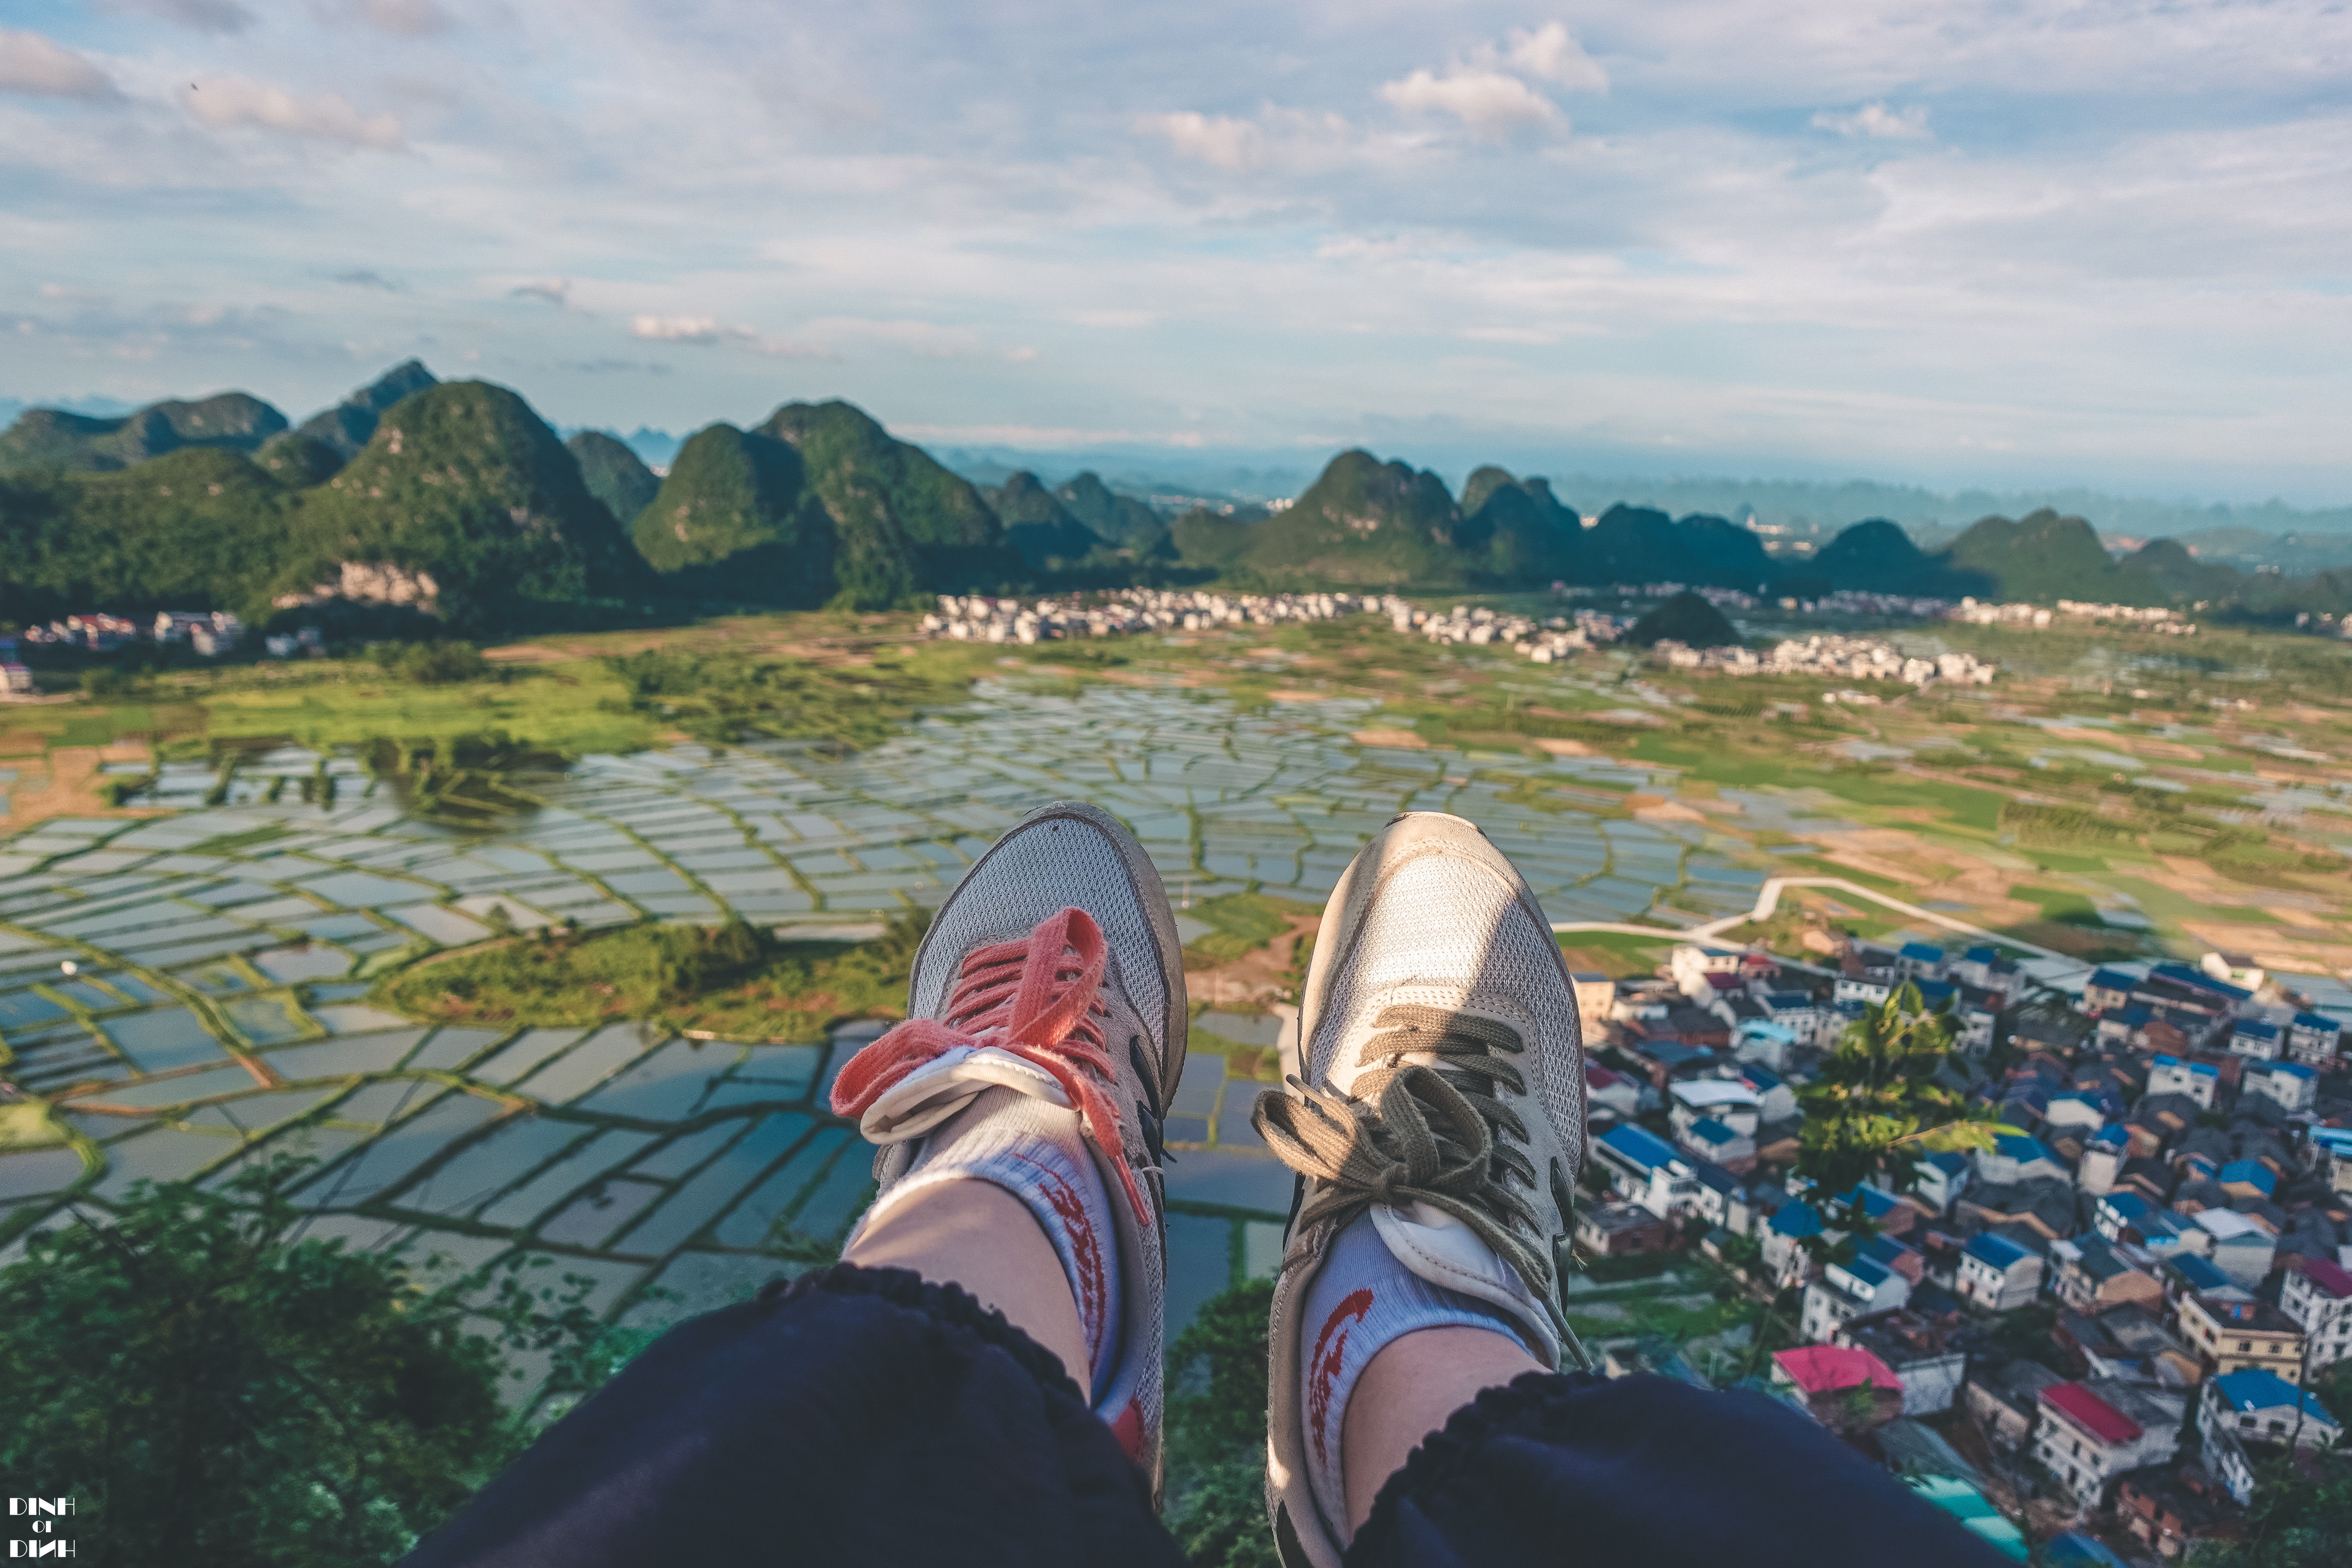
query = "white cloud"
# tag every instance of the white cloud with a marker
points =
(1487, 101)
(1550, 53)
(709, 331)
(231, 103)
(1876, 119)
(1288, 140)
(556, 292)
(32, 64)
(1219, 140)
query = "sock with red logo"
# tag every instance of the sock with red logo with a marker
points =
(1033, 1149)
(1362, 1301)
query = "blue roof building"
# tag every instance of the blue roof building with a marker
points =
(1797, 1221)
(1997, 1250)
(2248, 1173)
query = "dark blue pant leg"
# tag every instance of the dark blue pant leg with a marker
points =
(1645, 1472)
(854, 1415)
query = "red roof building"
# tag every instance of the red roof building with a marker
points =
(1826, 1369)
(2091, 1413)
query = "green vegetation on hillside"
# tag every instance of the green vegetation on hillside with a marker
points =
(613, 474)
(1123, 521)
(1048, 535)
(902, 521)
(198, 528)
(463, 482)
(213, 1389)
(1688, 619)
(734, 981)
(45, 438)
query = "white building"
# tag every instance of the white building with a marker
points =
(2292, 1084)
(2198, 1080)
(2092, 1431)
(1996, 1274)
(2319, 1297)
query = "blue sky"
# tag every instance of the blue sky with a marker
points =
(1999, 243)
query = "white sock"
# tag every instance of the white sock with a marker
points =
(1034, 1150)
(1362, 1301)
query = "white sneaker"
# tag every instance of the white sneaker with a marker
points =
(1069, 900)
(1443, 1092)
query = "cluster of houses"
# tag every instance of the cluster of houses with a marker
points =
(1868, 659)
(976, 618)
(2168, 621)
(2158, 1241)
(1830, 654)
(1545, 643)
(208, 633)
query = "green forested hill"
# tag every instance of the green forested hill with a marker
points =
(464, 482)
(613, 474)
(730, 522)
(45, 438)
(2042, 556)
(890, 500)
(345, 428)
(1878, 557)
(199, 529)
(1123, 521)
(1514, 532)
(1048, 535)
(1363, 522)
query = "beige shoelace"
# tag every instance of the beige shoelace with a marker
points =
(1416, 1134)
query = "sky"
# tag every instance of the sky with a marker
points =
(1945, 242)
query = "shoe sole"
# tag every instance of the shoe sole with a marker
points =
(1405, 837)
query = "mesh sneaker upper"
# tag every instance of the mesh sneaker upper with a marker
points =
(1447, 931)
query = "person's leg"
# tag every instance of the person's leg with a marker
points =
(1438, 1126)
(1416, 1419)
(1407, 1393)
(980, 1382)
(984, 1238)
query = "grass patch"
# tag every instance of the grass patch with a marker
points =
(2058, 906)
(1243, 922)
(27, 1125)
(732, 980)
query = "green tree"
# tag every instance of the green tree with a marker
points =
(1877, 1102)
(2301, 1518)
(1216, 1432)
(214, 1389)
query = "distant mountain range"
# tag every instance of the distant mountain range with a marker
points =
(415, 504)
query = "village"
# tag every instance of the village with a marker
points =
(2106, 1325)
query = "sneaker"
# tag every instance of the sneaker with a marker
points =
(1068, 902)
(1441, 1090)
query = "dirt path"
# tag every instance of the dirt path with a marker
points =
(74, 787)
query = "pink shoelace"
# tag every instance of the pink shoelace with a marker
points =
(1040, 1000)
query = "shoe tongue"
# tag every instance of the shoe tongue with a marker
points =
(939, 1089)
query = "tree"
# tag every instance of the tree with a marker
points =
(1216, 1432)
(1877, 1104)
(214, 1389)
(2301, 1518)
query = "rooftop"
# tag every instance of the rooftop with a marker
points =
(1997, 1251)
(1703, 1091)
(2329, 1277)
(1824, 1369)
(2259, 1388)
(1638, 1146)
(2091, 1413)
